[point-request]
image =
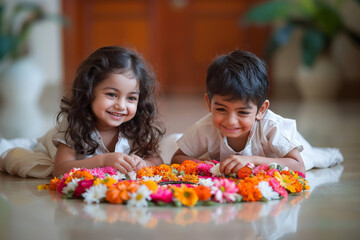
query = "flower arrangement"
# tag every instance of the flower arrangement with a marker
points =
(187, 184)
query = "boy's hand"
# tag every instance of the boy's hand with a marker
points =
(233, 164)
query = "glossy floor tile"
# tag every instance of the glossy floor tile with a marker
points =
(330, 210)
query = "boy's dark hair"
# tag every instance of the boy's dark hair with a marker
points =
(141, 129)
(240, 75)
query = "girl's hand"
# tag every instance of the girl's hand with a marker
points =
(122, 162)
(234, 163)
(140, 163)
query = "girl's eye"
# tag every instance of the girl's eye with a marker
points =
(111, 94)
(133, 98)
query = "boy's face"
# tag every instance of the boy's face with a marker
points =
(235, 118)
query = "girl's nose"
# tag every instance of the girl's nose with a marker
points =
(120, 104)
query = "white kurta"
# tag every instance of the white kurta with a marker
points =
(273, 136)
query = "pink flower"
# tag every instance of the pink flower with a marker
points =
(259, 168)
(61, 185)
(300, 174)
(277, 188)
(250, 165)
(203, 169)
(224, 190)
(270, 172)
(163, 195)
(82, 186)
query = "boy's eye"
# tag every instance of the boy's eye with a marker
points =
(244, 113)
(220, 109)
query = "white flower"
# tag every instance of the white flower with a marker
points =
(95, 193)
(71, 186)
(132, 175)
(155, 178)
(140, 197)
(119, 176)
(215, 171)
(267, 191)
(207, 182)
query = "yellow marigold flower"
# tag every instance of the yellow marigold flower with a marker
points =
(109, 181)
(151, 185)
(98, 181)
(190, 178)
(285, 181)
(187, 196)
(169, 177)
(42, 187)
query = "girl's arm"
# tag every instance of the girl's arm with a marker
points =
(234, 163)
(65, 160)
(179, 156)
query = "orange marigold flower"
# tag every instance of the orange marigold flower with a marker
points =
(151, 185)
(202, 192)
(163, 168)
(169, 177)
(189, 166)
(83, 174)
(187, 196)
(120, 192)
(244, 172)
(190, 178)
(248, 191)
(177, 167)
(146, 172)
(54, 183)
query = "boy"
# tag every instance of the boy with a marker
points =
(240, 128)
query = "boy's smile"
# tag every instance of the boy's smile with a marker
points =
(234, 118)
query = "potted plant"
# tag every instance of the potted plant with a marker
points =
(320, 23)
(21, 80)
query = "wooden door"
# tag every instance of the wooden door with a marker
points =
(179, 38)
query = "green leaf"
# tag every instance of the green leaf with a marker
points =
(269, 11)
(279, 38)
(313, 43)
(327, 19)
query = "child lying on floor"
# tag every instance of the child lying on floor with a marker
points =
(240, 128)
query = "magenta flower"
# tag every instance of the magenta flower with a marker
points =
(224, 190)
(82, 186)
(259, 168)
(270, 172)
(203, 169)
(277, 188)
(163, 195)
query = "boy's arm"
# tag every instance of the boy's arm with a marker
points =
(179, 156)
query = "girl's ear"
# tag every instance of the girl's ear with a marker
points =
(262, 110)
(208, 102)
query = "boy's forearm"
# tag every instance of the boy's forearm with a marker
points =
(179, 158)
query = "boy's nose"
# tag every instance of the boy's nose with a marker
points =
(231, 119)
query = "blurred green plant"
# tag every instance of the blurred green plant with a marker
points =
(320, 20)
(15, 25)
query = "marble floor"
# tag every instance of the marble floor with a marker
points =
(329, 210)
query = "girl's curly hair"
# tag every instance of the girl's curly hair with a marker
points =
(142, 129)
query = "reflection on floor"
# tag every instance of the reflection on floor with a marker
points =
(328, 211)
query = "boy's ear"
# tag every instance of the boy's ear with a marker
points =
(262, 110)
(208, 102)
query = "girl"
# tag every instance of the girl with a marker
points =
(109, 120)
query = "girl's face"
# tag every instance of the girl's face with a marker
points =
(115, 100)
(234, 119)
